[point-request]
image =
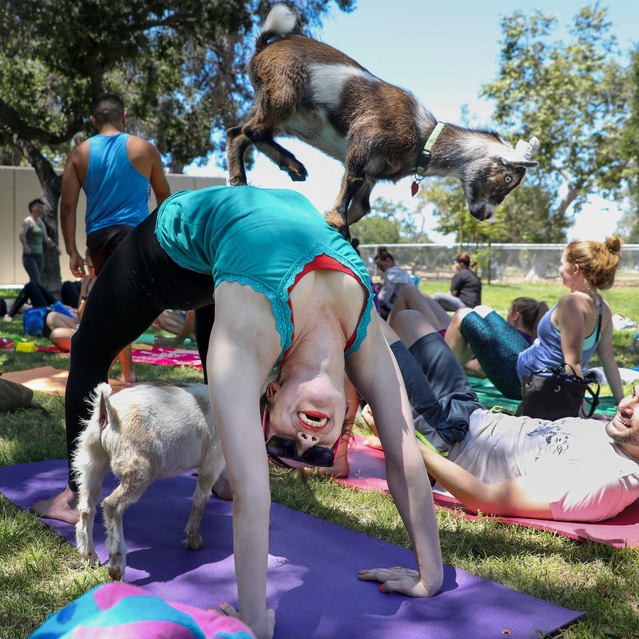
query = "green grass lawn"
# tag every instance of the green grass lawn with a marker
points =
(40, 573)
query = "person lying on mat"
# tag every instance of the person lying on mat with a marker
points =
(294, 314)
(572, 331)
(571, 469)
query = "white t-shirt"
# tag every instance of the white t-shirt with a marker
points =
(571, 463)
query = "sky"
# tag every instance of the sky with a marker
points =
(442, 52)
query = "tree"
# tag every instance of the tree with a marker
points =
(179, 65)
(629, 225)
(573, 98)
(388, 223)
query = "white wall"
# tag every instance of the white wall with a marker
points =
(18, 186)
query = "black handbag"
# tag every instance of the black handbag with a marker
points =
(555, 393)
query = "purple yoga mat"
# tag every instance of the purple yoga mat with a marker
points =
(313, 564)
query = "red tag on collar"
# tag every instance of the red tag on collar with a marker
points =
(414, 187)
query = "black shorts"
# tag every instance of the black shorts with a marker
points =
(102, 243)
(437, 388)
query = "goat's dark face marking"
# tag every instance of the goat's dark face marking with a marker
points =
(488, 187)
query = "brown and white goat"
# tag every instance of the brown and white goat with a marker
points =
(309, 90)
(143, 433)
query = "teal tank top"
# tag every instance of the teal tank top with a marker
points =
(262, 238)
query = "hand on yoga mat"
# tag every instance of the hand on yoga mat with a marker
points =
(396, 579)
(228, 610)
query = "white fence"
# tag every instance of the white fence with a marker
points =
(495, 262)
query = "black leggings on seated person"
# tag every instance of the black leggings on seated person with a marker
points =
(137, 283)
(37, 294)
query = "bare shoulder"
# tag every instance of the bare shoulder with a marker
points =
(76, 168)
(370, 360)
(79, 156)
(137, 145)
(572, 303)
(246, 316)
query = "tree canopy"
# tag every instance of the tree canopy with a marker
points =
(574, 98)
(178, 64)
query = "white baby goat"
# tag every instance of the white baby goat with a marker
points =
(144, 432)
(309, 90)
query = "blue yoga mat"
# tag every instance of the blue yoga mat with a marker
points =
(313, 564)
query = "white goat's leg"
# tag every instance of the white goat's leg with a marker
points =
(128, 492)
(91, 476)
(203, 487)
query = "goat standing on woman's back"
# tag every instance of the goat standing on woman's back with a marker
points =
(309, 90)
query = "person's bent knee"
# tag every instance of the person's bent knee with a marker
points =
(482, 310)
(411, 325)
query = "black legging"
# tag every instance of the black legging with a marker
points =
(137, 283)
(36, 294)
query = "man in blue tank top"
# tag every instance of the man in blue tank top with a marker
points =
(114, 169)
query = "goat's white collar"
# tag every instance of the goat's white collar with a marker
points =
(424, 156)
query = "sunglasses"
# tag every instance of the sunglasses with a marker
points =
(282, 446)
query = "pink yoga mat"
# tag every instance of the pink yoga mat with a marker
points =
(368, 472)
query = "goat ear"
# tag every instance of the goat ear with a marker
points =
(525, 163)
(103, 419)
(511, 161)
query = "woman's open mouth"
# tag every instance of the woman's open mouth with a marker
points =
(312, 420)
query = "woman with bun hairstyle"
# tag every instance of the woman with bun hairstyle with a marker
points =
(465, 287)
(579, 326)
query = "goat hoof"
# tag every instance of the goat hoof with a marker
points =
(237, 181)
(115, 572)
(90, 558)
(194, 542)
(340, 227)
(297, 172)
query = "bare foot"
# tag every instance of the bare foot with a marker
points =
(373, 442)
(63, 507)
(367, 417)
(339, 469)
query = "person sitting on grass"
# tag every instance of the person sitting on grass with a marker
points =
(180, 323)
(571, 332)
(465, 286)
(36, 294)
(395, 279)
(571, 469)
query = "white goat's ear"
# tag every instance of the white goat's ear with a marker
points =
(103, 419)
(527, 149)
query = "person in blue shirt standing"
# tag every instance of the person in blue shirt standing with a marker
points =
(114, 169)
